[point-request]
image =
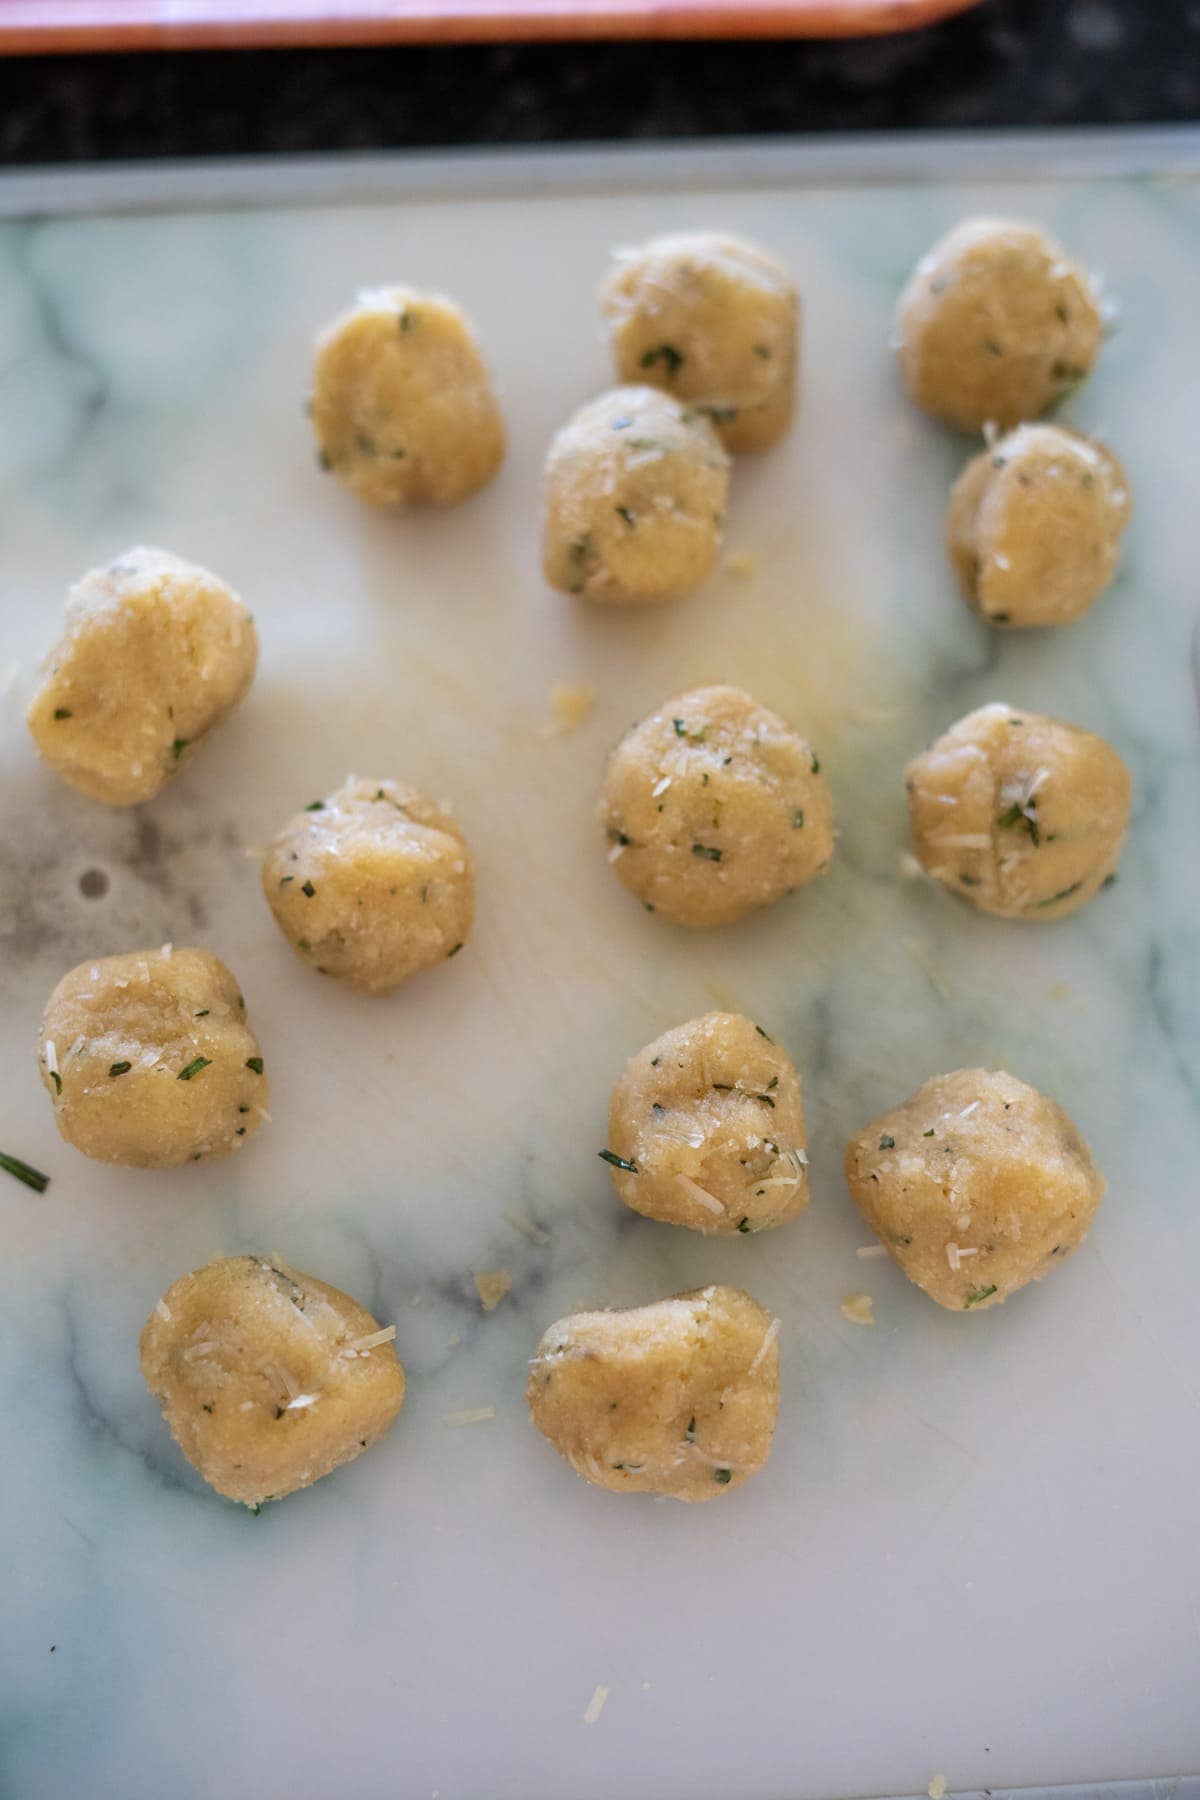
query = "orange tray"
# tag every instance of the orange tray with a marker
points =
(29, 26)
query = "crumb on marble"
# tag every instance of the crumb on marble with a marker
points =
(491, 1285)
(470, 1415)
(595, 1705)
(937, 1788)
(910, 868)
(571, 703)
(859, 1309)
(742, 563)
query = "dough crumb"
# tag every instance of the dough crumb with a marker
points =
(595, 1707)
(742, 563)
(491, 1285)
(860, 1310)
(910, 868)
(470, 1415)
(937, 1788)
(871, 1250)
(571, 703)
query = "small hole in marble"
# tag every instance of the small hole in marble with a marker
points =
(93, 884)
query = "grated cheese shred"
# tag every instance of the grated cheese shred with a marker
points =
(595, 1705)
(700, 1195)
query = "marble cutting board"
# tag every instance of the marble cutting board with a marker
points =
(975, 1547)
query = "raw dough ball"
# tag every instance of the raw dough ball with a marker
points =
(678, 1397)
(995, 324)
(976, 1185)
(714, 806)
(155, 651)
(715, 321)
(1035, 524)
(635, 495)
(1019, 814)
(268, 1378)
(402, 402)
(711, 1117)
(371, 884)
(150, 1061)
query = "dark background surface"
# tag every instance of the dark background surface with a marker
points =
(1012, 62)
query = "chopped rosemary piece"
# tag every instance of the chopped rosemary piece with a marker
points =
(56, 1078)
(33, 1178)
(194, 1068)
(315, 806)
(744, 1225)
(928, 1133)
(453, 951)
(1062, 894)
(62, 712)
(975, 1295)
(307, 888)
(1109, 881)
(887, 1141)
(284, 879)
(707, 851)
(255, 1063)
(618, 1162)
(798, 819)
(179, 746)
(816, 762)
(120, 1068)
(764, 1034)
(724, 1476)
(670, 358)
(623, 512)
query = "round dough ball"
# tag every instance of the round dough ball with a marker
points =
(1019, 814)
(995, 324)
(714, 806)
(268, 1378)
(976, 1185)
(402, 402)
(371, 884)
(713, 320)
(1034, 527)
(678, 1397)
(150, 1061)
(635, 493)
(711, 1119)
(155, 651)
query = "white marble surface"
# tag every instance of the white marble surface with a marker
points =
(974, 1549)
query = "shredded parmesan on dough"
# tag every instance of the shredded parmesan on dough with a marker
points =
(859, 1309)
(471, 1415)
(595, 1705)
(952, 1256)
(615, 851)
(301, 1401)
(700, 1195)
(51, 1057)
(361, 1345)
(167, 949)
(660, 787)
(162, 1309)
(772, 1333)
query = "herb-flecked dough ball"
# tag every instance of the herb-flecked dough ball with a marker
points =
(402, 402)
(634, 501)
(1021, 815)
(975, 1185)
(715, 321)
(150, 1061)
(1034, 526)
(714, 806)
(268, 1378)
(706, 1129)
(995, 324)
(154, 653)
(371, 884)
(678, 1397)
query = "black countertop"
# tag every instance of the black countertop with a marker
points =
(1010, 63)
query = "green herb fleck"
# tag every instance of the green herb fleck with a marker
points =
(255, 1509)
(744, 1225)
(887, 1141)
(928, 1133)
(1016, 721)
(179, 746)
(690, 1433)
(766, 1100)
(255, 1063)
(798, 819)
(618, 1162)
(816, 762)
(670, 358)
(56, 1078)
(366, 444)
(724, 1476)
(707, 851)
(453, 951)
(763, 1034)
(1062, 894)
(284, 879)
(623, 512)
(720, 415)
(307, 888)
(1022, 814)
(202, 1014)
(968, 880)
(1109, 881)
(324, 461)
(1000, 618)
(1061, 314)
(407, 320)
(120, 1068)
(976, 1295)
(33, 1178)
(315, 806)
(194, 1067)
(992, 347)
(62, 712)
(763, 350)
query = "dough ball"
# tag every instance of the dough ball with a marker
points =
(711, 1118)
(635, 495)
(1035, 524)
(150, 1061)
(1019, 814)
(402, 402)
(268, 1378)
(714, 806)
(713, 320)
(995, 324)
(371, 884)
(976, 1185)
(678, 1397)
(155, 651)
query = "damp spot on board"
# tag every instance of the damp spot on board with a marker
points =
(94, 884)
